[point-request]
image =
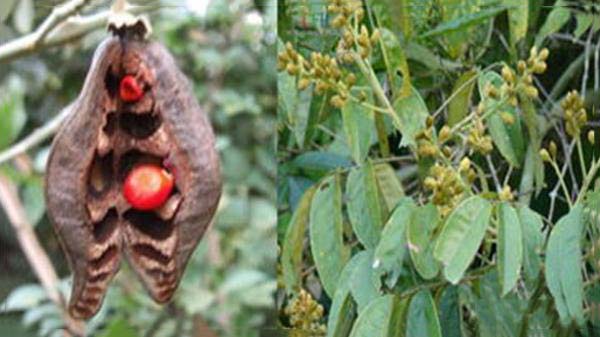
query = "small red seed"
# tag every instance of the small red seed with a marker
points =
(147, 187)
(129, 89)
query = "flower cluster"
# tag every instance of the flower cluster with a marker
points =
(549, 154)
(345, 11)
(447, 185)
(305, 314)
(428, 146)
(521, 80)
(322, 70)
(478, 139)
(574, 113)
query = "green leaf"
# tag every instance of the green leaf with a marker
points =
(119, 328)
(364, 282)
(412, 112)
(293, 243)
(423, 55)
(343, 307)
(507, 137)
(558, 17)
(341, 315)
(533, 242)
(374, 319)
(460, 104)
(510, 247)
(422, 319)
(395, 61)
(397, 325)
(496, 315)
(32, 195)
(326, 233)
(390, 186)
(359, 127)
(461, 236)
(320, 163)
(464, 21)
(584, 22)
(563, 263)
(12, 116)
(363, 205)
(420, 233)
(24, 297)
(390, 252)
(450, 312)
(518, 19)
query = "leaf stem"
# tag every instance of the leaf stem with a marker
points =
(562, 182)
(588, 179)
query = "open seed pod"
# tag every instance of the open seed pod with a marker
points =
(104, 138)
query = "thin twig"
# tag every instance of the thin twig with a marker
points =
(38, 37)
(490, 164)
(61, 30)
(597, 66)
(34, 252)
(586, 66)
(59, 14)
(37, 136)
(567, 37)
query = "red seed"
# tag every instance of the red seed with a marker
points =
(147, 187)
(129, 89)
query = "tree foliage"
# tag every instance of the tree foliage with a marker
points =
(438, 166)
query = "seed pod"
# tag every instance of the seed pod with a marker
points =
(95, 149)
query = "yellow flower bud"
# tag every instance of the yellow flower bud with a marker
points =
(553, 149)
(429, 121)
(521, 66)
(508, 74)
(351, 79)
(337, 101)
(540, 67)
(545, 155)
(303, 83)
(375, 36)
(591, 136)
(505, 194)
(430, 183)
(292, 69)
(507, 118)
(465, 164)
(531, 91)
(544, 54)
(444, 134)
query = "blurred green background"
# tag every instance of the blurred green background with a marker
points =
(227, 48)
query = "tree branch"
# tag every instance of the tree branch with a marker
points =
(37, 136)
(58, 15)
(34, 252)
(61, 27)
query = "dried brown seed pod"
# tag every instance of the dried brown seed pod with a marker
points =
(93, 152)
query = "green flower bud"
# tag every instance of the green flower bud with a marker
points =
(545, 155)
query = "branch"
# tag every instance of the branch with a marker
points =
(61, 27)
(34, 252)
(58, 15)
(37, 136)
